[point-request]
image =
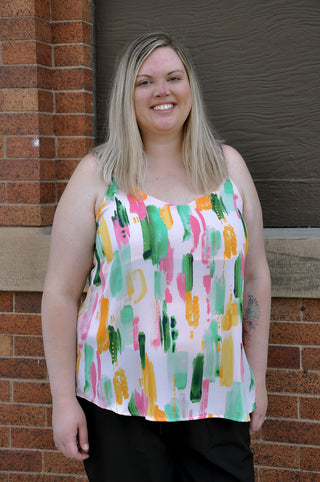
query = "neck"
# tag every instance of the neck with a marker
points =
(164, 152)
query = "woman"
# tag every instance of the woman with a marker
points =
(170, 345)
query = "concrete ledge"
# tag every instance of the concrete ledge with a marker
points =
(293, 256)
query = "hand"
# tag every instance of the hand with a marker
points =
(258, 416)
(70, 429)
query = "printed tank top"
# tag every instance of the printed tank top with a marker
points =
(160, 330)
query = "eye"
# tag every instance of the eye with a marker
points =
(143, 83)
(174, 78)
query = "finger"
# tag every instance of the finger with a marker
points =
(83, 438)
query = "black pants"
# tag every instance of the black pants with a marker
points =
(126, 448)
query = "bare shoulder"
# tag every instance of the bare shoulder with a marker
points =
(86, 182)
(240, 175)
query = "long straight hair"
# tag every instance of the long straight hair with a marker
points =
(122, 155)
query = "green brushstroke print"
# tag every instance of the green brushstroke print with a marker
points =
(155, 236)
(88, 357)
(184, 213)
(197, 375)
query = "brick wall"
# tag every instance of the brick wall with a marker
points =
(46, 126)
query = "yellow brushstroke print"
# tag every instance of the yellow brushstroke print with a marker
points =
(227, 360)
(120, 384)
(103, 341)
(130, 287)
(231, 317)
(204, 203)
(230, 241)
(106, 241)
(166, 216)
(144, 288)
(192, 309)
(149, 386)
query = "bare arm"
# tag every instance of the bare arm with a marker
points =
(257, 286)
(70, 259)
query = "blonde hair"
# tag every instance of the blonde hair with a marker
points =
(122, 155)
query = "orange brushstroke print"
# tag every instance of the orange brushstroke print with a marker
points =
(120, 384)
(230, 241)
(103, 341)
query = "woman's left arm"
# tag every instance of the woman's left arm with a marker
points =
(257, 286)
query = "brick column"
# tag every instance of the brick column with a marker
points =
(46, 126)
(46, 104)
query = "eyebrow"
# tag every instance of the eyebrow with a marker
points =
(169, 73)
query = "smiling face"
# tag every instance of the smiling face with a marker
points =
(162, 95)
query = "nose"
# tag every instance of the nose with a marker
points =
(161, 89)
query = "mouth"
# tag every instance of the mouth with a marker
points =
(163, 107)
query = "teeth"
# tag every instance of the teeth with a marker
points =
(163, 107)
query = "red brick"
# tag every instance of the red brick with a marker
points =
(272, 475)
(293, 381)
(19, 124)
(72, 148)
(16, 8)
(31, 392)
(283, 357)
(55, 462)
(6, 301)
(71, 32)
(22, 147)
(28, 302)
(72, 79)
(274, 455)
(18, 76)
(64, 169)
(26, 52)
(45, 77)
(16, 170)
(28, 346)
(69, 102)
(19, 52)
(288, 309)
(73, 125)
(15, 324)
(60, 188)
(310, 408)
(47, 170)
(6, 346)
(292, 432)
(309, 476)
(17, 28)
(311, 310)
(20, 460)
(4, 391)
(3, 192)
(27, 147)
(21, 100)
(4, 437)
(30, 193)
(22, 415)
(32, 438)
(24, 215)
(311, 358)
(23, 368)
(44, 478)
(294, 333)
(42, 9)
(282, 405)
(71, 10)
(74, 54)
(45, 101)
(310, 458)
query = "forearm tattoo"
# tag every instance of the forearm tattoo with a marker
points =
(251, 315)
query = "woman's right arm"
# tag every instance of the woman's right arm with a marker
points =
(70, 260)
